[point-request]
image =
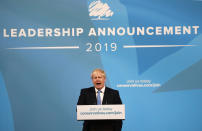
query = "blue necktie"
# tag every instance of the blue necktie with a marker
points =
(98, 97)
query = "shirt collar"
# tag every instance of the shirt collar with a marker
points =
(103, 90)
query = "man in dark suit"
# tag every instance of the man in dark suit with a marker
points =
(100, 94)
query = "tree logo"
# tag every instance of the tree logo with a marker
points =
(99, 10)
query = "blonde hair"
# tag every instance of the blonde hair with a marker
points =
(100, 71)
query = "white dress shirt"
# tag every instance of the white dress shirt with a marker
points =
(101, 93)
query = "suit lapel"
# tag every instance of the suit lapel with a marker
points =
(93, 96)
(104, 101)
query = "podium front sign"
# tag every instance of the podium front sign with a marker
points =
(100, 112)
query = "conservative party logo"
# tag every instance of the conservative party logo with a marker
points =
(100, 11)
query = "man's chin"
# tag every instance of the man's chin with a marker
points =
(98, 87)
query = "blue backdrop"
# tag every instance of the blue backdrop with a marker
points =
(48, 50)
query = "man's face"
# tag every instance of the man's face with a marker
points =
(98, 80)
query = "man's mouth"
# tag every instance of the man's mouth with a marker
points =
(98, 83)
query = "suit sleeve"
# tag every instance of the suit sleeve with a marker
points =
(81, 100)
(117, 98)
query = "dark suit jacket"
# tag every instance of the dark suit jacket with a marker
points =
(88, 97)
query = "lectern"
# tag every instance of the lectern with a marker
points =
(101, 117)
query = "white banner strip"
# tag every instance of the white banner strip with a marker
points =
(44, 48)
(151, 46)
